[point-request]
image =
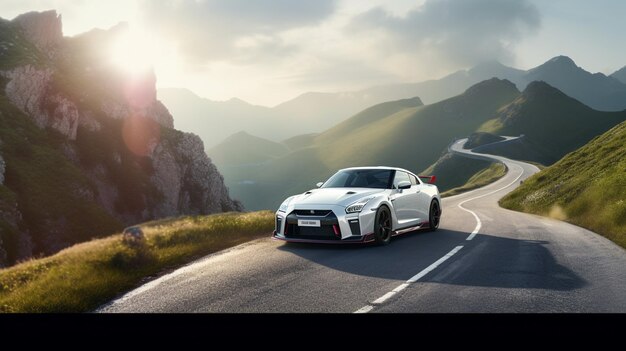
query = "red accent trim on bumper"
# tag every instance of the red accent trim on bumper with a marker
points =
(368, 238)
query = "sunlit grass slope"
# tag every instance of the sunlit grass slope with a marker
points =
(87, 275)
(587, 187)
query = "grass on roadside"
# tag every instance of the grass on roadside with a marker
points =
(85, 276)
(586, 188)
(480, 179)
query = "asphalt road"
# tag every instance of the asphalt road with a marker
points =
(514, 262)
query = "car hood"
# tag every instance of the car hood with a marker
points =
(334, 196)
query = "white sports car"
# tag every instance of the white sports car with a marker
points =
(362, 204)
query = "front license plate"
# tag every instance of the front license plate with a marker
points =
(308, 223)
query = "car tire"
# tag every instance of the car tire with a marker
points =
(434, 216)
(382, 226)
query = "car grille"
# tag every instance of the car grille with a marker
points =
(325, 232)
(316, 213)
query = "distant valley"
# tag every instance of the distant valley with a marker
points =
(407, 134)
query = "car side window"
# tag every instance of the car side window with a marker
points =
(414, 180)
(400, 177)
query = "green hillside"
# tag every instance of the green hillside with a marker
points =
(407, 135)
(399, 133)
(453, 171)
(552, 122)
(365, 118)
(414, 138)
(587, 187)
(481, 178)
(85, 276)
(481, 138)
(243, 148)
(48, 201)
(300, 141)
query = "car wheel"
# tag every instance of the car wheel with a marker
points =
(382, 226)
(434, 215)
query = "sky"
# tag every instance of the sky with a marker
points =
(269, 51)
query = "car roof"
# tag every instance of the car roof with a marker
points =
(377, 167)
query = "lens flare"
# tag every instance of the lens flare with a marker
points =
(141, 135)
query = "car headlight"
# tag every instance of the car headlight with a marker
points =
(283, 206)
(358, 206)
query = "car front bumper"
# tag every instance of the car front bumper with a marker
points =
(336, 226)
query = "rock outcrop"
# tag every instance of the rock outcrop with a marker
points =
(158, 112)
(2, 169)
(29, 89)
(190, 183)
(43, 29)
(120, 163)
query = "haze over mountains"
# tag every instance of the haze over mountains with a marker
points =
(316, 112)
(407, 134)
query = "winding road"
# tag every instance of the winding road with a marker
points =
(482, 259)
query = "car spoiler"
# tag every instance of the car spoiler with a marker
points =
(428, 179)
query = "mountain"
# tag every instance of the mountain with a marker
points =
(403, 133)
(453, 171)
(213, 121)
(594, 90)
(432, 91)
(406, 134)
(242, 148)
(84, 149)
(620, 75)
(300, 141)
(315, 112)
(552, 123)
(308, 113)
(587, 187)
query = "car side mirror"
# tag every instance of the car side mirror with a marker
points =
(403, 185)
(319, 184)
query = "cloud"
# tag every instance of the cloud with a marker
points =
(452, 32)
(213, 30)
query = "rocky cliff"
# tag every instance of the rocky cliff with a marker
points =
(42, 29)
(86, 150)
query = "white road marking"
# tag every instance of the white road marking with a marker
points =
(415, 278)
(420, 275)
(428, 269)
(364, 309)
(479, 224)
(384, 298)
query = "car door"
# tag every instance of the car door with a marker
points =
(405, 202)
(422, 202)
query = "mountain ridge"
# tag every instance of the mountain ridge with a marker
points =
(620, 75)
(552, 122)
(318, 111)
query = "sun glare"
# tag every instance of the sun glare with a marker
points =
(134, 52)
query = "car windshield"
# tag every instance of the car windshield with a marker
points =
(361, 178)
